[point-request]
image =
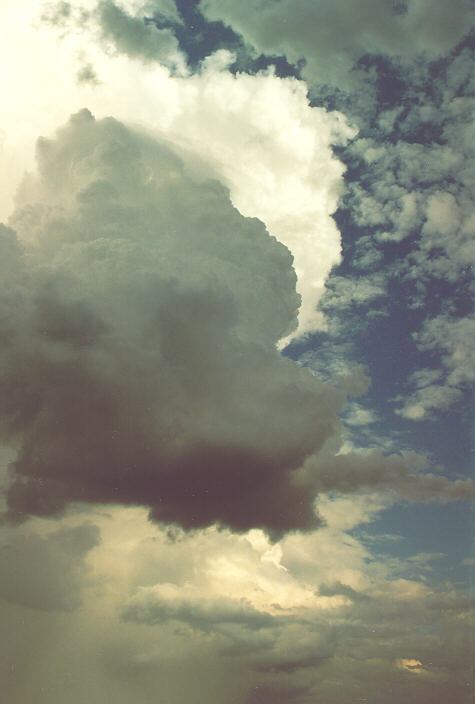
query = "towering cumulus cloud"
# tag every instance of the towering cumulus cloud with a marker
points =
(139, 361)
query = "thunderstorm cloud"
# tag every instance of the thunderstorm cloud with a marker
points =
(139, 361)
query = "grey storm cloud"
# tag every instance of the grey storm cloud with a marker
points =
(141, 314)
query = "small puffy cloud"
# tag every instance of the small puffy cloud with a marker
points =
(346, 292)
(448, 229)
(162, 9)
(399, 198)
(422, 404)
(367, 256)
(357, 415)
(86, 74)
(119, 28)
(442, 215)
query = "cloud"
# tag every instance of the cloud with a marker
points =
(330, 37)
(165, 602)
(144, 335)
(86, 74)
(453, 340)
(414, 225)
(130, 35)
(372, 470)
(162, 9)
(357, 415)
(45, 572)
(362, 619)
(346, 292)
(140, 317)
(277, 162)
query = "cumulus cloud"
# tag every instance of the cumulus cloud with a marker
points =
(411, 200)
(346, 292)
(453, 339)
(86, 74)
(399, 198)
(278, 163)
(140, 361)
(357, 415)
(257, 133)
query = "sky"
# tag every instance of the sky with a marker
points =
(236, 249)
